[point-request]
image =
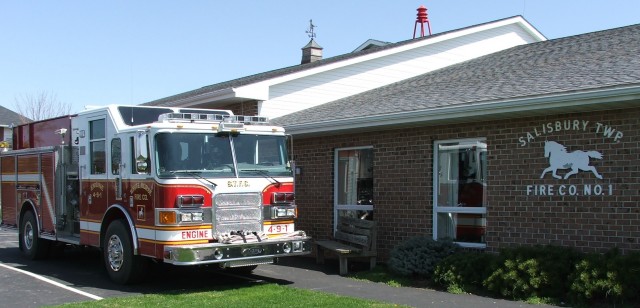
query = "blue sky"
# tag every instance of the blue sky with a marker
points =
(131, 52)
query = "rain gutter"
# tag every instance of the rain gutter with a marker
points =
(478, 110)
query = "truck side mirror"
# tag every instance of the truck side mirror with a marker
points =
(142, 155)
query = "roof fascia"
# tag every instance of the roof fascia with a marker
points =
(518, 20)
(540, 103)
(529, 28)
(260, 90)
(206, 97)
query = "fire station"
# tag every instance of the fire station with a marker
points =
(535, 144)
(491, 135)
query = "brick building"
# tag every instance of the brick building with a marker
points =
(536, 144)
(490, 135)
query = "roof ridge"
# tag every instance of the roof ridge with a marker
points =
(254, 78)
(591, 61)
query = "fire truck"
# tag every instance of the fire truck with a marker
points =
(175, 185)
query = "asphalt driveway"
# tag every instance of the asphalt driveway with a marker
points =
(77, 274)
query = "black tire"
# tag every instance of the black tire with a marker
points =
(117, 250)
(31, 245)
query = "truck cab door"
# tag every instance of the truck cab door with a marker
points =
(95, 174)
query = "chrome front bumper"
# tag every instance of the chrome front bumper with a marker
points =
(238, 254)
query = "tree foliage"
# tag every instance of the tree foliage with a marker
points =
(40, 106)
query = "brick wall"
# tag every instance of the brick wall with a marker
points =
(591, 219)
(403, 196)
(249, 108)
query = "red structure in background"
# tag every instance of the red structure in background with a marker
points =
(422, 18)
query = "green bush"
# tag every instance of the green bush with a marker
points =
(630, 276)
(532, 272)
(464, 272)
(546, 273)
(606, 277)
(418, 256)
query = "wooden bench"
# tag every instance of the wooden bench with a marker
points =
(354, 238)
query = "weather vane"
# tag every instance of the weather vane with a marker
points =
(311, 32)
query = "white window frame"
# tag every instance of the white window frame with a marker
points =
(452, 209)
(107, 147)
(337, 207)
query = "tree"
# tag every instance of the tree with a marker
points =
(43, 105)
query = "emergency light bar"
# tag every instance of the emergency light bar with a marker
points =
(230, 127)
(212, 118)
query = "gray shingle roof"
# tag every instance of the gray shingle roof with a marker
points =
(171, 101)
(597, 60)
(8, 117)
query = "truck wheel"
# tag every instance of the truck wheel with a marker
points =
(32, 246)
(122, 265)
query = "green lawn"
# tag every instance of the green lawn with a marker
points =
(259, 295)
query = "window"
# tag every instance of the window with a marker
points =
(97, 146)
(261, 154)
(219, 155)
(460, 181)
(353, 183)
(133, 160)
(116, 156)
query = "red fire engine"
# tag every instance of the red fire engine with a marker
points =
(182, 186)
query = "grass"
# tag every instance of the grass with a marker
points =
(260, 295)
(381, 274)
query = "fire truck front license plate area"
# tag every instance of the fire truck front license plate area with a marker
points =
(232, 254)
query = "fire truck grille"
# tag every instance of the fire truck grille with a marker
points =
(237, 212)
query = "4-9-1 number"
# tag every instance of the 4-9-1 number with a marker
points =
(277, 229)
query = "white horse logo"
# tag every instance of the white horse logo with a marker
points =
(560, 159)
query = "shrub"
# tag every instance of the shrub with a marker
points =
(630, 276)
(609, 276)
(418, 256)
(545, 272)
(464, 272)
(527, 272)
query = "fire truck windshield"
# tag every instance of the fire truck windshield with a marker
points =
(212, 155)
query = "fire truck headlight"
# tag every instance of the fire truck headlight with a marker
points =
(176, 217)
(190, 216)
(291, 212)
(186, 217)
(283, 212)
(197, 216)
